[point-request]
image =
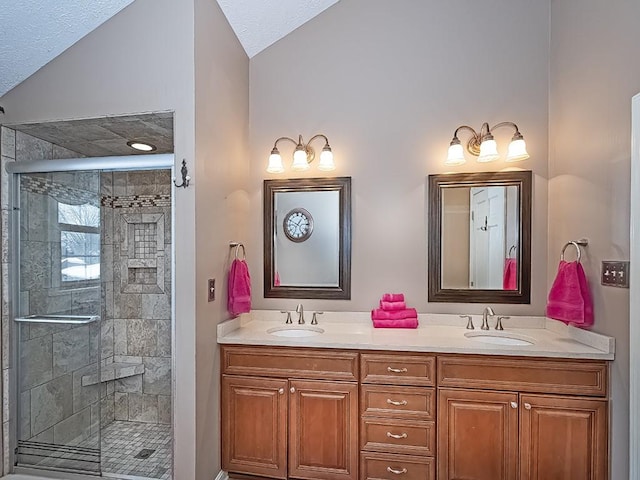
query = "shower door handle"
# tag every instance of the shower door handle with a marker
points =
(59, 319)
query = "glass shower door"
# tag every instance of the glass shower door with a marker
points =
(58, 321)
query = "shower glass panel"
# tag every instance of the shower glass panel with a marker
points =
(58, 321)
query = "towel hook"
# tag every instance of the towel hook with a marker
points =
(513, 247)
(577, 244)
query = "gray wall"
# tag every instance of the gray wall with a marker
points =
(221, 205)
(388, 83)
(594, 74)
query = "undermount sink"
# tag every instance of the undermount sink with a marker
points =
(500, 338)
(295, 332)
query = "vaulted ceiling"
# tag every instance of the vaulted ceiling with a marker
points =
(34, 32)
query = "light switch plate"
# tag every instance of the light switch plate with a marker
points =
(211, 285)
(615, 274)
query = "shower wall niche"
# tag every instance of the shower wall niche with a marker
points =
(136, 288)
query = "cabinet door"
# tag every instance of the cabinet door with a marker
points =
(477, 435)
(323, 430)
(562, 438)
(254, 426)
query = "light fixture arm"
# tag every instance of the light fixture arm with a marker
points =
(473, 145)
(303, 155)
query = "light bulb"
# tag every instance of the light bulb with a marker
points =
(275, 162)
(517, 149)
(488, 150)
(456, 154)
(326, 160)
(300, 159)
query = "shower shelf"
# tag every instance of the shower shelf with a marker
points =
(114, 371)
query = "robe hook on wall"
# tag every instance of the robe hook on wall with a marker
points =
(185, 176)
(1, 110)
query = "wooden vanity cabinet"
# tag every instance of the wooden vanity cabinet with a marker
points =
(398, 412)
(297, 419)
(485, 433)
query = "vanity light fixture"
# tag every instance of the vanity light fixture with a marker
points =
(303, 155)
(141, 146)
(482, 145)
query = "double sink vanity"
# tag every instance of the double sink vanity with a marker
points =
(343, 400)
(334, 398)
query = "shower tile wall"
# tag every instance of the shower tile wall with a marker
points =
(136, 218)
(50, 379)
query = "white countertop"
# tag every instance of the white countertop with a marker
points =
(437, 333)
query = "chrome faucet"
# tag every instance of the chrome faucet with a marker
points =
(488, 311)
(300, 312)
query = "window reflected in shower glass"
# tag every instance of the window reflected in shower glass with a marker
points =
(79, 242)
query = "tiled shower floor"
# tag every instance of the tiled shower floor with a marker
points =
(122, 441)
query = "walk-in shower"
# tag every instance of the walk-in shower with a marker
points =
(90, 296)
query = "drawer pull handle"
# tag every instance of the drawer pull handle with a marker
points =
(396, 472)
(527, 406)
(397, 370)
(292, 390)
(281, 391)
(397, 404)
(514, 405)
(396, 436)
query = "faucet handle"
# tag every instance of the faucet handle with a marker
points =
(499, 322)
(314, 319)
(469, 321)
(288, 316)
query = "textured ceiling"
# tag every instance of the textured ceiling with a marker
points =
(34, 32)
(260, 23)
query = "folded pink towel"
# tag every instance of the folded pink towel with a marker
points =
(393, 297)
(510, 279)
(239, 288)
(402, 323)
(379, 314)
(392, 305)
(569, 297)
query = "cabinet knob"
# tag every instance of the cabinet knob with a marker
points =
(292, 390)
(396, 436)
(397, 404)
(527, 406)
(281, 391)
(396, 370)
(514, 405)
(396, 472)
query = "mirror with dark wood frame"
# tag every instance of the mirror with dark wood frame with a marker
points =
(307, 238)
(480, 237)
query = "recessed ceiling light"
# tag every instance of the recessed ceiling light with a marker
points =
(141, 146)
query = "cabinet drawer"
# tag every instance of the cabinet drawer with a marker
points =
(290, 363)
(523, 375)
(398, 369)
(380, 466)
(398, 436)
(399, 402)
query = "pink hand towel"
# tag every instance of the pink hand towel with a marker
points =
(393, 297)
(379, 314)
(239, 288)
(569, 297)
(392, 305)
(403, 323)
(510, 279)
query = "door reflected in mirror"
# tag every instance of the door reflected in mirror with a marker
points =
(307, 238)
(480, 237)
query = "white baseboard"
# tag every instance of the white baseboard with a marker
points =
(222, 475)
